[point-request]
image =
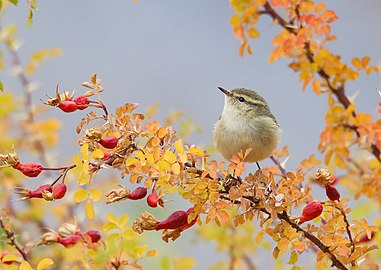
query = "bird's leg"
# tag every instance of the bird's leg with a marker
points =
(259, 167)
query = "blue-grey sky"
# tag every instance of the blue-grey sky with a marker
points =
(177, 53)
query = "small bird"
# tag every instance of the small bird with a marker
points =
(246, 122)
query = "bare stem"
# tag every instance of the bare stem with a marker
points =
(282, 170)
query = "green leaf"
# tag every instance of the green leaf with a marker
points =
(33, 4)
(165, 263)
(1, 84)
(123, 220)
(293, 258)
(185, 263)
(1, 4)
(110, 226)
(14, 2)
(30, 17)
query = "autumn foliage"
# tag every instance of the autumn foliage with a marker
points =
(282, 205)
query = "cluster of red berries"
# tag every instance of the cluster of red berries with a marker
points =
(90, 236)
(79, 103)
(314, 209)
(46, 192)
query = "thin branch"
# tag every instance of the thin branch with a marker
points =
(11, 237)
(336, 262)
(282, 170)
(342, 212)
(339, 92)
(249, 263)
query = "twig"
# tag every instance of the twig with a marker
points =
(339, 92)
(282, 170)
(342, 212)
(11, 237)
(249, 263)
(336, 262)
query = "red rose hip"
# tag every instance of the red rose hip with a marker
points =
(109, 142)
(311, 211)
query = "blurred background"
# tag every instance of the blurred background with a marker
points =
(175, 54)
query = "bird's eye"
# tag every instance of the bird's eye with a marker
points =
(241, 99)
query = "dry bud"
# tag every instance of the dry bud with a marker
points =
(146, 222)
(59, 98)
(116, 195)
(170, 234)
(48, 238)
(68, 229)
(9, 159)
(29, 194)
(323, 177)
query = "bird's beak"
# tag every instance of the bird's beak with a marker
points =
(226, 92)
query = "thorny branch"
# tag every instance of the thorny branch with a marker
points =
(339, 92)
(282, 216)
(11, 237)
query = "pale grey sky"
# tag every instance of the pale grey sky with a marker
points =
(177, 53)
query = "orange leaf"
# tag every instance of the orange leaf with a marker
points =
(223, 215)
(316, 86)
(239, 32)
(283, 244)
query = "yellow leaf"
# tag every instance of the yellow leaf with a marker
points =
(169, 188)
(183, 157)
(150, 159)
(169, 157)
(253, 33)
(235, 20)
(140, 155)
(196, 151)
(25, 266)
(44, 263)
(131, 161)
(356, 63)
(260, 236)
(176, 168)
(339, 161)
(97, 153)
(184, 263)
(89, 209)
(163, 165)
(111, 217)
(123, 220)
(85, 151)
(365, 61)
(163, 179)
(95, 194)
(9, 258)
(179, 146)
(80, 195)
(84, 176)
